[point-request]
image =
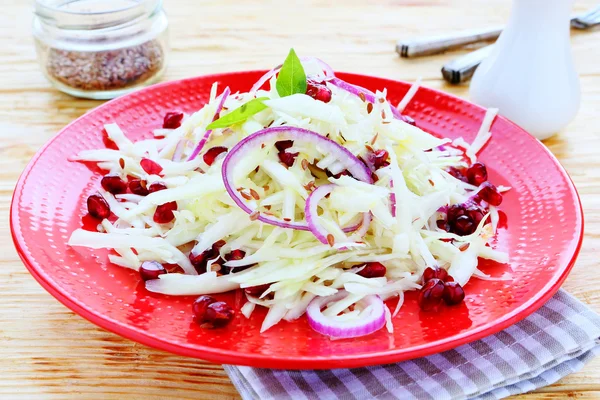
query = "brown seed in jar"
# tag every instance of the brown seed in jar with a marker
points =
(106, 70)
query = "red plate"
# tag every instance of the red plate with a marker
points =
(543, 236)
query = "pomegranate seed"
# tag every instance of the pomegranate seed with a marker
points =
(151, 167)
(256, 291)
(114, 184)
(156, 187)
(475, 212)
(287, 158)
(199, 261)
(453, 293)
(164, 212)
(200, 305)
(443, 225)
(380, 159)
(455, 211)
(373, 270)
(490, 193)
(218, 314)
(434, 273)
(212, 153)
(477, 174)
(318, 91)
(457, 173)
(283, 145)
(430, 295)
(235, 255)
(218, 244)
(98, 206)
(172, 120)
(464, 225)
(138, 186)
(151, 270)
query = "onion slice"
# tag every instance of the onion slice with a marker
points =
(364, 325)
(272, 135)
(310, 211)
(204, 139)
(366, 93)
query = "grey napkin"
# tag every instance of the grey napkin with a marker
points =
(555, 341)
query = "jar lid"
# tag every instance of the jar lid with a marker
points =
(93, 14)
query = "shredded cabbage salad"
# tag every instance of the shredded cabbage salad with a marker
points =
(306, 192)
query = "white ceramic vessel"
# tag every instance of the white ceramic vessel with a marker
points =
(530, 74)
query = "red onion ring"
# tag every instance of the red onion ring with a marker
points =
(346, 329)
(204, 139)
(329, 74)
(366, 93)
(240, 150)
(310, 212)
(365, 224)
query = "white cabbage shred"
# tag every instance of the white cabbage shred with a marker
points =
(294, 265)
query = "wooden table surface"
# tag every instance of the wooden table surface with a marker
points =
(48, 352)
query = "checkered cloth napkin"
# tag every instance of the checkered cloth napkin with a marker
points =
(553, 342)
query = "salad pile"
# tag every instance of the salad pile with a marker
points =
(308, 193)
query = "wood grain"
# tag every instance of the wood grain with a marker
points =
(48, 352)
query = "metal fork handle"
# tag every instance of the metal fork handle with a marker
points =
(436, 44)
(587, 20)
(461, 69)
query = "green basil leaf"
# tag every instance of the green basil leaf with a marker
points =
(291, 78)
(240, 114)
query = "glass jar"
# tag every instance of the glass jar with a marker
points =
(100, 49)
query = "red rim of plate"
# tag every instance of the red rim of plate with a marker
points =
(300, 362)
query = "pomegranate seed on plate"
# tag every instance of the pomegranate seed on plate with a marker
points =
(455, 211)
(114, 184)
(435, 273)
(210, 156)
(490, 193)
(151, 270)
(138, 186)
(373, 270)
(172, 120)
(430, 295)
(318, 91)
(98, 206)
(218, 314)
(151, 167)
(256, 291)
(464, 225)
(475, 213)
(477, 174)
(453, 293)
(164, 212)
(200, 305)
(156, 187)
(457, 173)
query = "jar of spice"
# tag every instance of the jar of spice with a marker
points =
(100, 49)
